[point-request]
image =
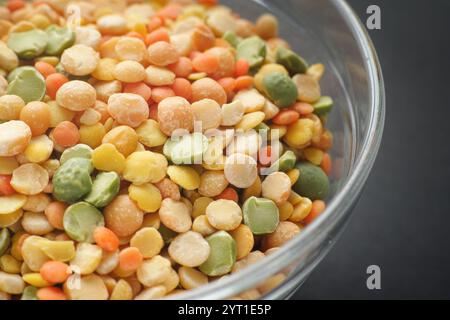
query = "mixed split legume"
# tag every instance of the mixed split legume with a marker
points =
(151, 147)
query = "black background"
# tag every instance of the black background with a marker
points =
(402, 222)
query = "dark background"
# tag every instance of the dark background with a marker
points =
(402, 222)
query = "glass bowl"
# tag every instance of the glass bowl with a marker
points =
(325, 31)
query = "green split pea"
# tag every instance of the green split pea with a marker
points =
(222, 256)
(261, 215)
(81, 220)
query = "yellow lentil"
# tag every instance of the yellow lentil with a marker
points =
(147, 197)
(107, 158)
(185, 177)
(148, 241)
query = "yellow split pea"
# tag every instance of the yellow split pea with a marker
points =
(145, 166)
(147, 197)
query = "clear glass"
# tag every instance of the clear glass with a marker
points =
(325, 31)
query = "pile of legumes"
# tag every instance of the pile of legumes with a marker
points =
(151, 147)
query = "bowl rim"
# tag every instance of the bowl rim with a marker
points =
(340, 204)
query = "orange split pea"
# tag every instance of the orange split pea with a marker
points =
(155, 23)
(228, 84)
(53, 82)
(303, 108)
(171, 11)
(326, 164)
(157, 35)
(286, 117)
(242, 67)
(265, 156)
(137, 35)
(161, 93)
(106, 239)
(66, 134)
(51, 293)
(182, 88)
(14, 5)
(5, 185)
(244, 82)
(139, 88)
(183, 68)
(207, 63)
(55, 214)
(45, 68)
(228, 194)
(130, 259)
(36, 115)
(55, 272)
(318, 206)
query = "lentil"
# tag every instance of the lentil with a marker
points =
(112, 24)
(207, 112)
(129, 71)
(36, 223)
(175, 215)
(128, 109)
(72, 180)
(291, 61)
(308, 88)
(240, 170)
(191, 278)
(21, 79)
(90, 287)
(244, 241)
(154, 271)
(87, 258)
(189, 249)
(284, 232)
(260, 215)
(80, 221)
(97, 147)
(208, 88)
(202, 226)
(123, 216)
(212, 183)
(157, 76)
(313, 182)
(251, 99)
(223, 254)
(162, 54)
(147, 197)
(128, 48)
(277, 187)
(80, 60)
(175, 113)
(10, 107)
(59, 39)
(185, 177)
(104, 189)
(145, 166)
(76, 95)
(29, 179)
(109, 262)
(28, 44)
(224, 214)
(15, 137)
